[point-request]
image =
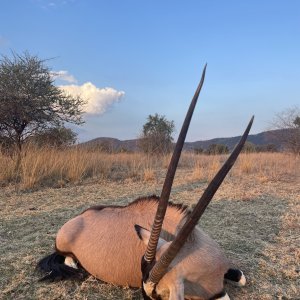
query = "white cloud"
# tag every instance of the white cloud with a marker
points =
(64, 76)
(98, 99)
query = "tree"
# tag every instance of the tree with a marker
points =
(217, 149)
(288, 121)
(157, 135)
(266, 148)
(198, 150)
(30, 103)
(249, 147)
(105, 146)
(57, 137)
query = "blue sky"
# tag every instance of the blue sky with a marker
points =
(135, 58)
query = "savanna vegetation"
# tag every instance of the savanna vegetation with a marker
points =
(288, 121)
(52, 167)
(156, 137)
(32, 107)
(254, 215)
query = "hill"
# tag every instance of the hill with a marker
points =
(260, 139)
(112, 144)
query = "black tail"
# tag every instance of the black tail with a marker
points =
(55, 268)
(236, 276)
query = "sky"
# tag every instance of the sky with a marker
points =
(131, 58)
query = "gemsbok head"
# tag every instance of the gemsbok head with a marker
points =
(151, 242)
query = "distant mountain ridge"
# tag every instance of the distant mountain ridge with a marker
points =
(260, 139)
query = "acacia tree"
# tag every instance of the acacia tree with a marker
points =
(288, 121)
(157, 135)
(30, 103)
(57, 137)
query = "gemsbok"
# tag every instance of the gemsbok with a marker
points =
(150, 243)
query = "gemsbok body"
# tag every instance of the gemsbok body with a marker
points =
(150, 243)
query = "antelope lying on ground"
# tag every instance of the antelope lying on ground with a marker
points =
(150, 242)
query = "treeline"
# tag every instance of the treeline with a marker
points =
(56, 137)
(33, 110)
(62, 137)
(213, 149)
(249, 147)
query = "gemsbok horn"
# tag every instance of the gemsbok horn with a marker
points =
(175, 260)
(153, 274)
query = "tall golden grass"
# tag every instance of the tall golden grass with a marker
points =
(53, 167)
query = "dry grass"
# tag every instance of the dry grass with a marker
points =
(56, 168)
(254, 216)
(49, 167)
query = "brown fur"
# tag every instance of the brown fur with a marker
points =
(105, 243)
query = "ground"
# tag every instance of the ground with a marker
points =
(256, 222)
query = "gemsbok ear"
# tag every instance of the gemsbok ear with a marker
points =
(144, 236)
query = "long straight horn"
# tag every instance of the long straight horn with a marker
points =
(161, 266)
(165, 194)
